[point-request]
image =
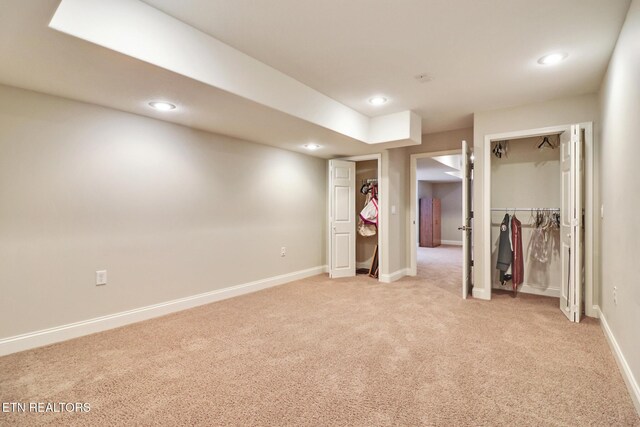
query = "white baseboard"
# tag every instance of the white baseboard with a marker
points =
(451, 242)
(396, 275)
(480, 293)
(627, 374)
(73, 330)
(364, 264)
(532, 289)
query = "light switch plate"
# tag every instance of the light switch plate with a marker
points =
(101, 277)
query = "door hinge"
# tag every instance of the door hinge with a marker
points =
(471, 216)
(471, 263)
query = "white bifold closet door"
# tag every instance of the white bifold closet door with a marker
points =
(342, 218)
(467, 166)
(571, 234)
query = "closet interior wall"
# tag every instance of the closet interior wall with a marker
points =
(365, 246)
(528, 177)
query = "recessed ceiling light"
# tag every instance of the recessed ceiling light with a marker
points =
(552, 58)
(377, 100)
(311, 147)
(162, 106)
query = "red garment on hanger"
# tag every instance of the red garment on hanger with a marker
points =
(517, 268)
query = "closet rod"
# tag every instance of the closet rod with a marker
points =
(526, 209)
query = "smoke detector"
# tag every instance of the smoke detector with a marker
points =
(423, 78)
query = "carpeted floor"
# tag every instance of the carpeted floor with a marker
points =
(336, 352)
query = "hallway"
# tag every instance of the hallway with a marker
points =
(442, 267)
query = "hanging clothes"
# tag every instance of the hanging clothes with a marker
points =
(517, 270)
(370, 212)
(368, 218)
(540, 242)
(505, 253)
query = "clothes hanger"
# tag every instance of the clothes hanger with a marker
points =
(546, 141)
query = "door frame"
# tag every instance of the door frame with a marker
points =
(382, 208)
(413, 205)
(589, 149)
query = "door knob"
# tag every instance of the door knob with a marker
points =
(464, 228)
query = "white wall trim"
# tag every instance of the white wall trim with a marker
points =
(396, 275)
(451, 242)
(627, 374)
(85, 327)
(526, 288)
(480, 293)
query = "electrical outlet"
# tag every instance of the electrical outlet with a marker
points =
(615, 295)
(283, 251)
(101, 277)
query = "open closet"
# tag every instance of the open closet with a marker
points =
(367, 210)
(537, 217)
(355, 199)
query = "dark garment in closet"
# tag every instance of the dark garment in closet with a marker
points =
(518, 262)
(505, 255)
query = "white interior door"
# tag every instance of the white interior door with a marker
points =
(342, 218)
(571, 235)
(467, 170)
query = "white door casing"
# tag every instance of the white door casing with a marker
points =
(342, 221)
(467, 186)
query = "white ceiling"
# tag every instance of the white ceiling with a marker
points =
(482, 55)
(435, 170)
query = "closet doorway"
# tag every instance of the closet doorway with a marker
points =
(538, 210)
(356, 200)
(440, 244)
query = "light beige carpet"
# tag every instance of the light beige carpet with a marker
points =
(336, 352)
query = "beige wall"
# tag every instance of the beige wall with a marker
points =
(552, 113)
(394, 169)
(450, 195)
(425, 189)
(365, 245)
(528, 177)
(620, 180)
(169, 211)
(442, 141)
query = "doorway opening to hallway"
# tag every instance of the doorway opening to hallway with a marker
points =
(441, 213)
